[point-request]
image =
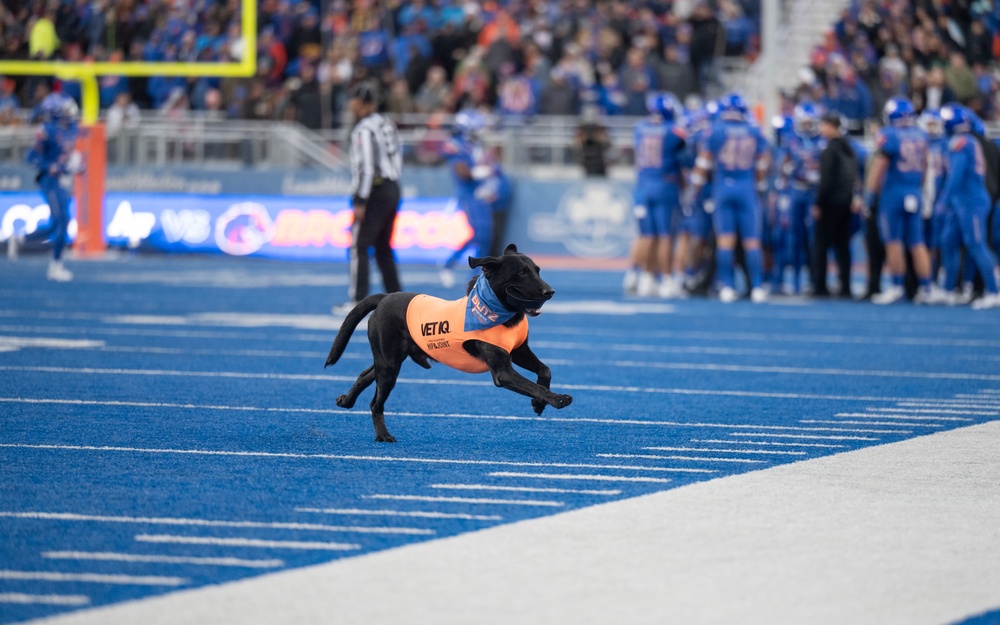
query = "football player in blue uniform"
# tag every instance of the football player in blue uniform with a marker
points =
(897, 175)
(54, 156)
(466, 157)
(659, 153)
(776, 208)
(965, 192)
(801, 171)
(735, 153)
(695, 224)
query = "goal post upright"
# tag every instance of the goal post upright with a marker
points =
(89, 188)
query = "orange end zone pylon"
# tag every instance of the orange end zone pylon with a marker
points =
(89, 191)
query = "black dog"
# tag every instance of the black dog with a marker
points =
(485, 331)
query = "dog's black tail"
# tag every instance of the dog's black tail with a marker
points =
(352, 320)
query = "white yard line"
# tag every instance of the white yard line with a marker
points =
(419, 514)
(29, 599)
(246, 542)
(106, 556)
(95, 578)
(525, 489)
(469, 500)
(586, 478)
(69, 516)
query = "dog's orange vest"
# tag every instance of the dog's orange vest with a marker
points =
(438, 327)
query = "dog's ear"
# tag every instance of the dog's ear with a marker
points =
(488, 263)
(511, 249)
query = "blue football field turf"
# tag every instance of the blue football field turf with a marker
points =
(167, 423)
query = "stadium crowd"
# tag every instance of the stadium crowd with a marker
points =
(518, 57)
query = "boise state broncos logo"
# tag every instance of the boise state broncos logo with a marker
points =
(243, 229)
(592, 220)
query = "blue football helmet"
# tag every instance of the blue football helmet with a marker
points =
(805, 118)
(665, 104)
(733, 106)
(898, 112)
(959, 119)
(59, 109)
(469, 123)
(930, 122)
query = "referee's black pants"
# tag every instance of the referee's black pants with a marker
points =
(375, 230)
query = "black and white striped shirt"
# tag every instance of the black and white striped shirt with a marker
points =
(376, 154)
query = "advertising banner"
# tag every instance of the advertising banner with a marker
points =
(288, 227)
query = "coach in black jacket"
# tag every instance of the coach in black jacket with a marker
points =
(832, 212)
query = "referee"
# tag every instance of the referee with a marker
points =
(376, 164)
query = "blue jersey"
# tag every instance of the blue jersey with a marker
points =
(802, 161)
(736, 147)
(53, 146)
(461, 150)
(659, 152)
(965, 183)
(906, 149)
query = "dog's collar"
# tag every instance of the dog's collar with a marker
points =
(483, 309)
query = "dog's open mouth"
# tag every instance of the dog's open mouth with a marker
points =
(532, 312)
(531, 306)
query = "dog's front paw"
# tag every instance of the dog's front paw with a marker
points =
(538, 405)
(560, 401)
(345, 402)
(385, 438)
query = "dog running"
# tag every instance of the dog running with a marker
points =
(487, 330)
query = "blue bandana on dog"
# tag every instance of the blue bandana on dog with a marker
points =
(483, 309)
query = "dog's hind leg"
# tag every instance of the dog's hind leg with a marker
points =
(364, 381)
(526, 359)
(385, 381)
(504, 375)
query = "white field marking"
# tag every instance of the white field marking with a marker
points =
(26, 599)
(18, 342)
(525, 489)
(269, 454)
(691, 458)
(989, 391)
(97, 578)
(245, 542)
(459, 416)
(977, 396)
(469, 500)
(810, 339)
(106, 556)
(415, 514)
(768, 443)
(896, 423)
(232, 320)
(68, 516)
(874, 373)
(872, 415)
(926, 404)
(594, 478)
(935, 411)
(662, 349)
(173, 334)
(808, 437)
(729, 451)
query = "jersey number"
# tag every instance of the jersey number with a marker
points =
(650, 153)
(738, 153)
(912, 156)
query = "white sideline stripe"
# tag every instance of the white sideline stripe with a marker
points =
(69, 516)
(525, 489)
(268, 454)
(416, 514)
(776, 444)
(729, 451)
(245, 542)
(26, 599)
(97, 578)
(869, 415)
(134, 557)
(471, 416)
(693, 458)
(920, 375)
(895, 423)
(661, 349)
(20, 341)
(935, 411)
(978, 395)
(470, 500)
(808, 437)
(595, 478)
(643, 364)
(924, 404)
